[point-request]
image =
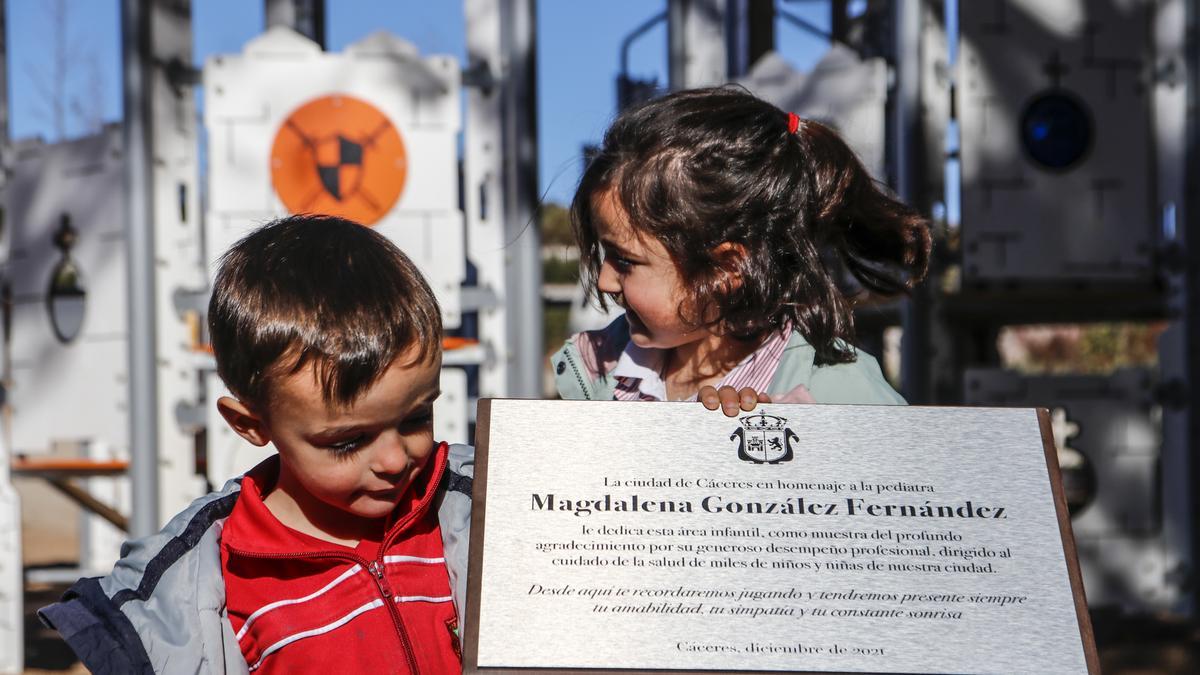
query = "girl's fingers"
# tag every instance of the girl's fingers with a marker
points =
(730, 401)
(749, 398)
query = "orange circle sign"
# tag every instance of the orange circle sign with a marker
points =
(339, 155)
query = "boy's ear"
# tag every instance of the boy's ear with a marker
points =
(730, 257)
(242, 419)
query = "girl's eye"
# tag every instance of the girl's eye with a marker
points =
(346, 447)
(620, 264)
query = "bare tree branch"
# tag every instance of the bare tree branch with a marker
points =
(57, 90)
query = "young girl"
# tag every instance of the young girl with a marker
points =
(725, 228)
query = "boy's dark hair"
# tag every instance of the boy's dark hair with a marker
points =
(318, 289)
(701, 167)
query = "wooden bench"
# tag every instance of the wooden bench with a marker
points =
(59, 472)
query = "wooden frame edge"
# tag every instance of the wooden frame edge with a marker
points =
(483, 419)
(1090, 654)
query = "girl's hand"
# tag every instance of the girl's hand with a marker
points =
(731, 401)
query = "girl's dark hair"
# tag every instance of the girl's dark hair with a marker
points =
(702, 167)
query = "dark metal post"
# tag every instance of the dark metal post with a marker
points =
(137, 70)
(839, 23)
(905, 153)
(306, 17)
(676, 44)
(760, 31)
(630, 90)
(1191, 254)
(518, 44)
(750, 33)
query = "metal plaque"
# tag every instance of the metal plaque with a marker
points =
(650, 537)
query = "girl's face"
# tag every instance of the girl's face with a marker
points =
(638, 272)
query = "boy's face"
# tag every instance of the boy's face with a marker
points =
(343, 468)
(640, 272)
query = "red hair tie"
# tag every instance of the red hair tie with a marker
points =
(793, 122)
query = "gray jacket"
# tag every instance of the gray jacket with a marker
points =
(162, 610)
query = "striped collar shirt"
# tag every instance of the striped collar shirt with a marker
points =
(639, 370)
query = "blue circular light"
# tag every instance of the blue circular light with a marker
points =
(1056, 130)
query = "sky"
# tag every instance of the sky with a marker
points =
(578, 52)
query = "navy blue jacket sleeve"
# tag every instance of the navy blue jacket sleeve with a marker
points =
(100, 635)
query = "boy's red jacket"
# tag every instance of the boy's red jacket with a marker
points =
(300, 604)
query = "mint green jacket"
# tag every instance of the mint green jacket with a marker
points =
(858, 382)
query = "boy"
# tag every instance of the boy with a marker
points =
(346, 551)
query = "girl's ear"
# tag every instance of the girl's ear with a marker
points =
(243, 420)
(730, 257)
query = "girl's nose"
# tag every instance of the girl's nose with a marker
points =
(608, 281)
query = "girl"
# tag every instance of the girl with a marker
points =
(729, 231)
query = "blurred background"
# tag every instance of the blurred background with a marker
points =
(1053, 143)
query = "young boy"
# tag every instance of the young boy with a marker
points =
(346, 551)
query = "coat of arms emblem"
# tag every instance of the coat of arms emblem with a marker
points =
(765, 439)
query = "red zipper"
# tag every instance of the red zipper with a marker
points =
(376, 569)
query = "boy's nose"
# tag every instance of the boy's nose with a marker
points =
(390, 458)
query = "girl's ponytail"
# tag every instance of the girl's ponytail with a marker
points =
(883, 242)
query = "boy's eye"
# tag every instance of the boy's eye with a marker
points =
(418, 421)
(347, 446)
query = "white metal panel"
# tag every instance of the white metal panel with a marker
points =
(65, 393)
(843, 91)
(435, 237)
(1170, 127)
(249, 96)
(12, 578)
(1113, 422)
(1095, 220)
(99, 540)
(451, 421)
(12, 571)
(483, 196)
(12, 568)
(76, 391)
(179, 266)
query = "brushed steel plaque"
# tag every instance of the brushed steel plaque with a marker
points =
(663, 536)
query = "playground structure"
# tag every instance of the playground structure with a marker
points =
(109, 246)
